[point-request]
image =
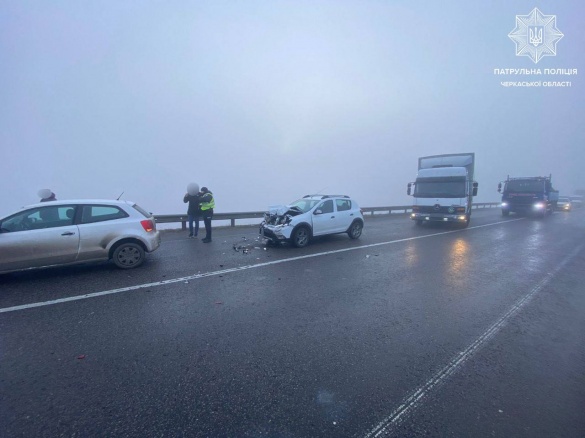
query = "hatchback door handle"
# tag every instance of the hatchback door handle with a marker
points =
(68, 233)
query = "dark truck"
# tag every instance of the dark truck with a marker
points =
(528, 195)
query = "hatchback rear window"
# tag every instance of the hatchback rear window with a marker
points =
(142, 211)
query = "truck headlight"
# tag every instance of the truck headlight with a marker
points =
(539, 205)
(504, 204)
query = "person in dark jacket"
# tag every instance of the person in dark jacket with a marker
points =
(47, 195)
(207, 204)
(193, 212)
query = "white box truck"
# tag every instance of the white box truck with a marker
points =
(444, 189)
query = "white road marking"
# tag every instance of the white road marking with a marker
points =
(227, 271)
(413, 400)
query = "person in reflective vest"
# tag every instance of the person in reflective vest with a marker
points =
(207, 203)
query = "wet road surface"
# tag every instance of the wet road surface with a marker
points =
(408, 331)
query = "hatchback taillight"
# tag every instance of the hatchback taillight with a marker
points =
(148, 225)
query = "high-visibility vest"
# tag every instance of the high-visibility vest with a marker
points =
(208, 205)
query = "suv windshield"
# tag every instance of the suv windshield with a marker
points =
(305, 204)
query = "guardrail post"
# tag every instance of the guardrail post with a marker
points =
(233, 222)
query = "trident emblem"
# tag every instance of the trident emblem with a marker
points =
(536, 36)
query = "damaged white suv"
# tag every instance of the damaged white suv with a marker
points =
(313, 215)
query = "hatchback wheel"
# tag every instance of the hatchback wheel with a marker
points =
(301, 236)
(128, 255)
(355, 230)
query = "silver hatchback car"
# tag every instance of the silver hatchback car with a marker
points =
(61, 233)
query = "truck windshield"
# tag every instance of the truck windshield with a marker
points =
(439, 188)
(524, 186)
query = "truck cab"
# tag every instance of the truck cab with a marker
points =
(528, 195)
(444, 189)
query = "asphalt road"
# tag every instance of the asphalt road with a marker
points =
(408, 331)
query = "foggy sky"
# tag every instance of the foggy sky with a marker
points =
(266, 101)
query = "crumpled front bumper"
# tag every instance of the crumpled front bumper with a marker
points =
(277, 233)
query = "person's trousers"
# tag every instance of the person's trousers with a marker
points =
(207, 222)
(191, 218)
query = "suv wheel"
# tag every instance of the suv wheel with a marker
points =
(128, 255)
(301, 236)
(355, 230)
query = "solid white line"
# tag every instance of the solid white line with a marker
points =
(412, 401)
(227, 271)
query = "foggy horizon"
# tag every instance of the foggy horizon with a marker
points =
(265, 102)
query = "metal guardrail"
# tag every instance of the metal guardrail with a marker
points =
(232, 217)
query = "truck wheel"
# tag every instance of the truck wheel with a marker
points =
(505, 212)
(418, 222)
(301, 236)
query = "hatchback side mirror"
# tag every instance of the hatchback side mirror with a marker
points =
(318, 212)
